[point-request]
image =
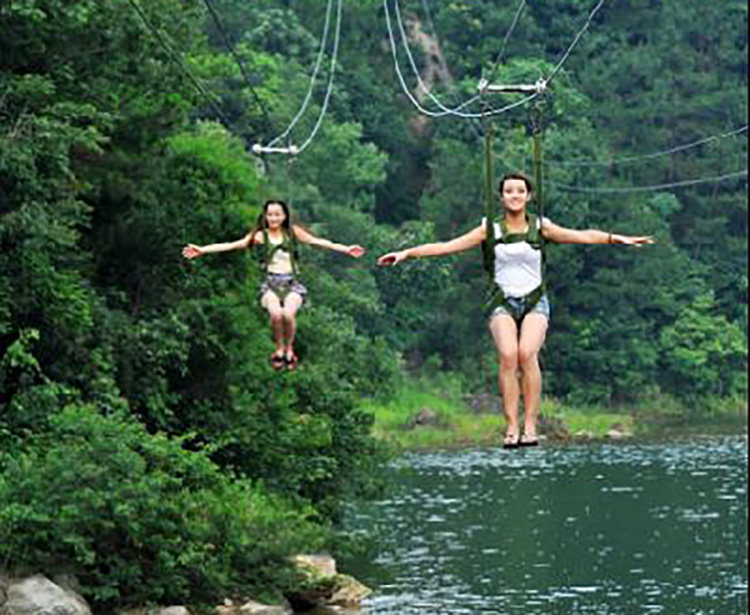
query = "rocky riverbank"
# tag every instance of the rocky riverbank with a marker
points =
(324, 591)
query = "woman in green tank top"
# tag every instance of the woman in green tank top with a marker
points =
(282, 293)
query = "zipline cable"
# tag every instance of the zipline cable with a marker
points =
(272, 147)
(211, 98)
(455, 112)
(430, 21)
(313, 78)
(679, 184)
(243, 71)
(578, 37)
(501, 54)
(449, 111)
(329, 92)
(652, 156)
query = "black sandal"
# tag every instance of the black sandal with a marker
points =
(277, 361)
(527, 440)
(511, 440)
(291, 360)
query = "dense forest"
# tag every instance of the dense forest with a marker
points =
(145, 443)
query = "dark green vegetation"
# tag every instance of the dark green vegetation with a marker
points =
(110, 161)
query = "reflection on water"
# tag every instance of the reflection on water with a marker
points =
(606, 530)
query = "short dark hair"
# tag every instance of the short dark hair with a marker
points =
(515, 175)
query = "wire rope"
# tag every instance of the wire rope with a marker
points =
(430, 21)
(313, 78)
(457, 110)
(578, 37)
(437, 114)
(272, 147)
(210, 97)
(243, 71)
(679, 184)
(329, 92)
(652, 156)
(501, 54)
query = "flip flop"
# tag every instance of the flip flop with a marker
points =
(526, 440)
(511, 440)
(291, 362)
(277, 361)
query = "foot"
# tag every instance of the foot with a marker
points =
(277, 360)
(292, 360)
(529, 439)
(511, 439)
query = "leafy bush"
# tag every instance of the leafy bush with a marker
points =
(137, 518)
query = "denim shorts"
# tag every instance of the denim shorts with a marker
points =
(517, 307)
(282, 285)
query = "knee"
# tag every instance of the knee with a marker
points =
(276, 315)
(508, 360)
(528, 358)
(289, 313)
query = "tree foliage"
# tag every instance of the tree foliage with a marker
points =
(125, 134)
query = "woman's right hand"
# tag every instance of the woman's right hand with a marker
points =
(191, 251)
(392, 258)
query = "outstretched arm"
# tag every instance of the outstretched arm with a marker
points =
(560, 234)
(192, 251)
(459, 244)
(307, 237)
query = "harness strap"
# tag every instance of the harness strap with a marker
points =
(287, 244)
(488, 246)
(498, 299)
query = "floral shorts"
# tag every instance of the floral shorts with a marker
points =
(282, 285)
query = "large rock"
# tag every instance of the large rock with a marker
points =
(323, 565)
(38, 595)
(157, 610)
(324, 587)
(553, 428)
(484, 403)
(426, 417)
(618, 431)
(348, 592)
(253, 608)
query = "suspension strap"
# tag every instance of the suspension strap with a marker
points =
(538, 132)
(490, 202)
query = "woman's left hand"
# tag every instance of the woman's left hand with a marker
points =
(632, 241)
(355, 251)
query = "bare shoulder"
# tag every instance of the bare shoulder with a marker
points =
(255, 237)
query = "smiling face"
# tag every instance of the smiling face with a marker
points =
(515, 194)
(275, 216)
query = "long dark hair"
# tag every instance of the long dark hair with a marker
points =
(261, 225)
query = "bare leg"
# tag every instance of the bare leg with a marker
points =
(505, 334)
(273, 306)
(533, 333)
(292, 304)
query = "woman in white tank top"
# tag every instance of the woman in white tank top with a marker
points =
(520, 319)
(282, 293)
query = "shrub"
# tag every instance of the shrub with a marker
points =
(137, 518)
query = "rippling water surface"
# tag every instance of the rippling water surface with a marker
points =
(606, 530)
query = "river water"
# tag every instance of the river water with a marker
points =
(632, 529)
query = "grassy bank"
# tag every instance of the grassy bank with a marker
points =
(450, 421)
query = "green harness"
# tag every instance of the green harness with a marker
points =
(288, 244)
(265, 256)
(533, 237)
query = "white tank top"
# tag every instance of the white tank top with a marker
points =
(518, 266)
